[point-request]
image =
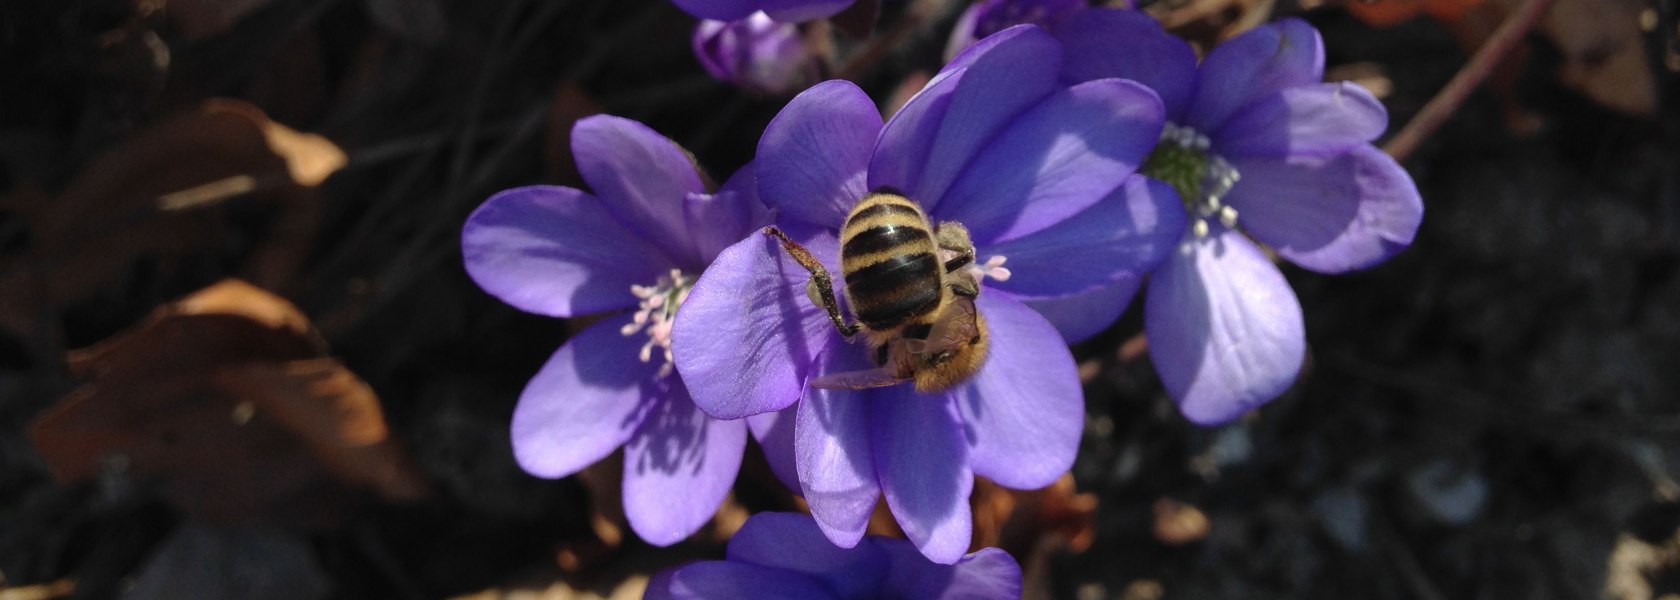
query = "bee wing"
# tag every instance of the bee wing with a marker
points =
(957, 324)
(858, 380)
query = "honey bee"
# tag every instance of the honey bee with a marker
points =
(912, 293)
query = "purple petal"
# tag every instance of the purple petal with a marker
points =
(990, 574)
(1006, 75)
(1254, 65)
(721, 580)
(774, 432)
(585, 402)
(734, 212)
(794, 542)
(678, 468)
(715, 48)
(1122, 237)
(1099, 43)
(1023, 412)
(556, 251)
(907, 139)
(1329, 215)
(641, 177)
(921, 458)
(1319, 120)
(1084, 315)
(1058, 159)
(813, 156)
(1224, 328)
(799, 11)
(962, 32)
(747, 335)
(718, 10)
(835, 461)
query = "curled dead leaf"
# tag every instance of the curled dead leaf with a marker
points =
(128, 205)
(226, 402)
(1020, 520)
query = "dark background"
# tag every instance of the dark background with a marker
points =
(1491, 414)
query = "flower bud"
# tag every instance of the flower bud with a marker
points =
(756, 53)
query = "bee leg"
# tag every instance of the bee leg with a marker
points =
(820, 287)
(953, 238)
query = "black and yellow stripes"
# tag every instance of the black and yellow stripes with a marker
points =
(890, 262)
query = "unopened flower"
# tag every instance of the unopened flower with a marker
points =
(1034, 171)
(987, 17)
(787, 11)
(784, 555)
(755, 53)
(632, 249)
(1255, 147)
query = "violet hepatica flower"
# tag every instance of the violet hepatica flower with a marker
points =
(1035, 171)
(1255, 147)
(784, 555)
(987, 17)
(633, 249)
(787, 11)
(755, 53)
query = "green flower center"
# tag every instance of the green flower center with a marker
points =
(1182, 160)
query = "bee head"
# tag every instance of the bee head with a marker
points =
(952, 366)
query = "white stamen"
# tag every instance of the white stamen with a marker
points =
(993, 268)
(655, 313)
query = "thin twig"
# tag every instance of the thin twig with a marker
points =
(1468, 78)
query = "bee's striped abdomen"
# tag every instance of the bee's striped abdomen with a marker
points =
(891, 265)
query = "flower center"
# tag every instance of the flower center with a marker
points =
(1201, 178)
(655, 313)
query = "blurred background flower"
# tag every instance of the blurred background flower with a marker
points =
(756, 53)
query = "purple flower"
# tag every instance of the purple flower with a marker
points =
(756, 53)
(1255, 147)
(788, 11)
(1033, 169)
(987, 17)
(632, 249)
(784, 555)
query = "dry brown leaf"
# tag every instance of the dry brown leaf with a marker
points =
(226, 401)
(1020, 520)
(127, 204)
(335, 413)
(1603, 53)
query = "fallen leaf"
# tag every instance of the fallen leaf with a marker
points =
(133, 203)
(226, 401)
(1021, 520)
(1603, 51)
